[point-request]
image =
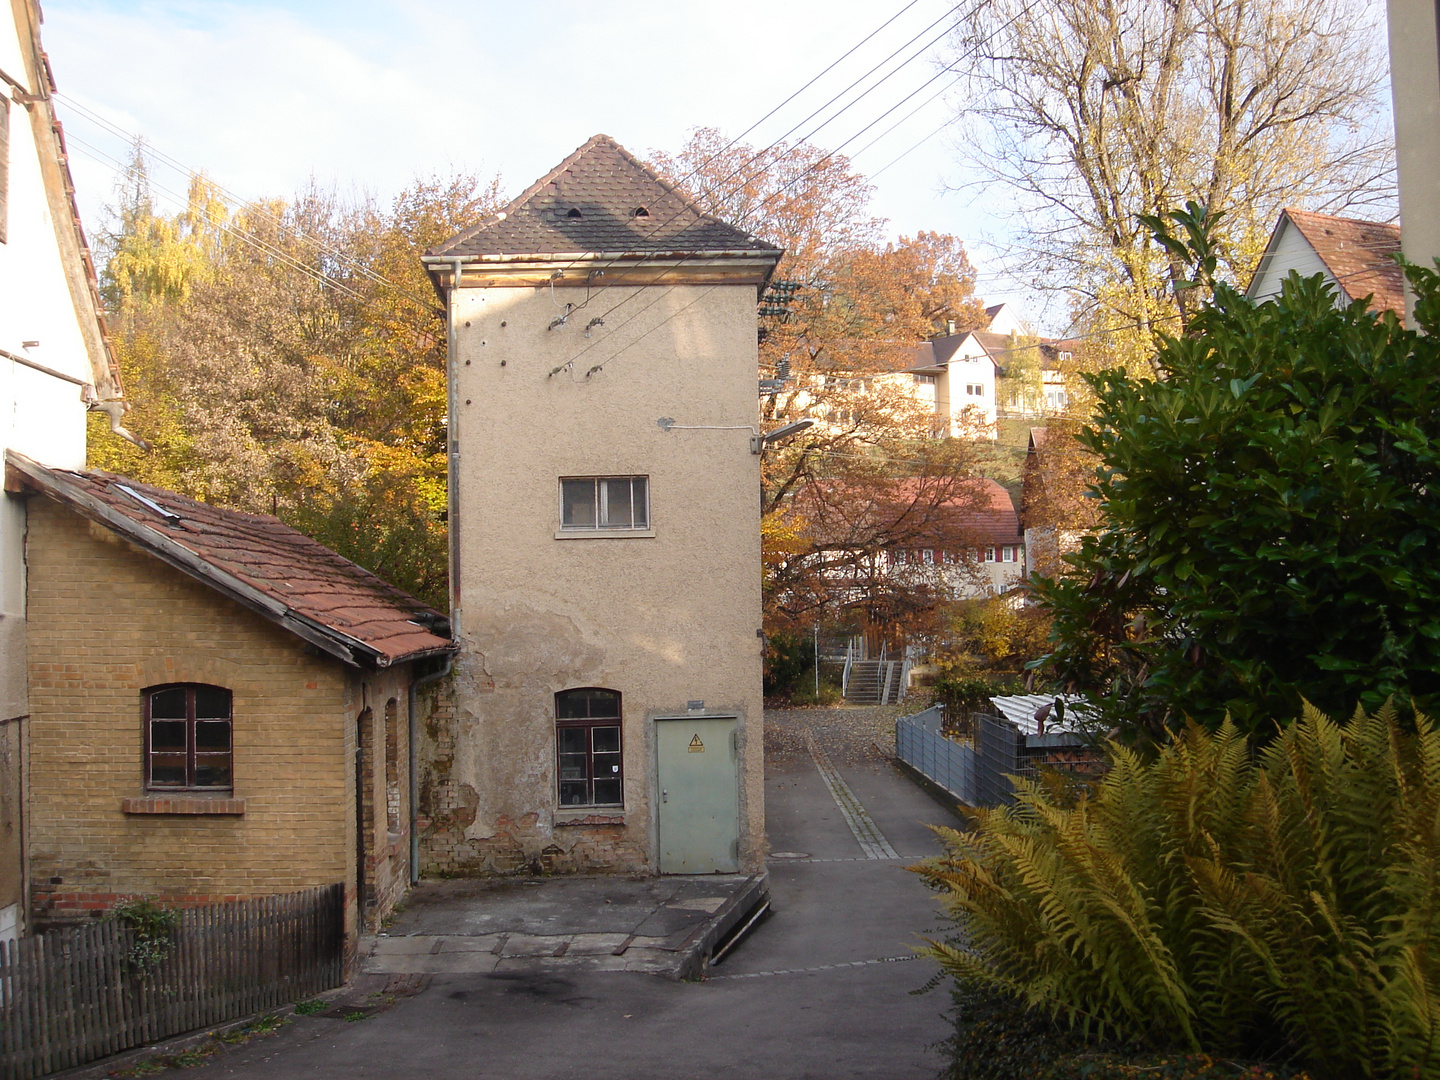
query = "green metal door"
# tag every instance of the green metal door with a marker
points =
(699, 795)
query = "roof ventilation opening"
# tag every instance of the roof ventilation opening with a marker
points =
(574, 212)
(640, 212)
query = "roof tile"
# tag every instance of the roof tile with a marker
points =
(1358, 255)
(600, 199)
(285, 565)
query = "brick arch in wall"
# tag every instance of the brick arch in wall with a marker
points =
(189, 668)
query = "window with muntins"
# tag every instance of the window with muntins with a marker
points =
(605, 502)
(587, 747)
(188, 738)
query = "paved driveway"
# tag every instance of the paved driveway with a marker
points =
(821, 989)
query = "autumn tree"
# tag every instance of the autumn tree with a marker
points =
(835, 343)
(1091, 114)
(288, 357)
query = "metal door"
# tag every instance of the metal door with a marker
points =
(699, 784)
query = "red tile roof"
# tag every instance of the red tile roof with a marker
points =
(992, 518)
(1358, 255)
(971, 513)
(600, 199)
(257, 561)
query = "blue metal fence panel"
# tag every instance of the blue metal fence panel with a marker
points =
(950, 764)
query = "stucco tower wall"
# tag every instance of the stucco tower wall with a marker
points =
(665, 619)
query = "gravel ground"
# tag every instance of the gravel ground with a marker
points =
(850, 734)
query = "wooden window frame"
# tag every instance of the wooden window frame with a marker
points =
(190, 720)
(589, 724)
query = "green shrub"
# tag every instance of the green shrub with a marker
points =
(1269, 519)
(154, 928)
(963, 693)
(1219, 900)
(789, 664)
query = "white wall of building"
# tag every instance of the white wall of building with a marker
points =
(46, 317)
(1292, 252)
(971, 414)
(1415, 88)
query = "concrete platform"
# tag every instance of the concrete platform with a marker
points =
(667, 926)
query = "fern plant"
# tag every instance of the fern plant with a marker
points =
(1222, 900)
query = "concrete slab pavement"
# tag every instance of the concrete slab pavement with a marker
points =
(821, 989)
(661, 926)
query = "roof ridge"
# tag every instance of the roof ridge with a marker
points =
(1291, 211)
(524, 197)
(602, 171)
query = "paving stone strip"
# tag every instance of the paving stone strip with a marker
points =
(872, 841)
(811, 970)
(846, 858)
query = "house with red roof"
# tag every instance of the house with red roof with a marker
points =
(220, 706)
(1356, 257)
(977, 550)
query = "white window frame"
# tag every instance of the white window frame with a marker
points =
(602, 527)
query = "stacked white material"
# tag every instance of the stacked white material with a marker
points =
(1020, 710)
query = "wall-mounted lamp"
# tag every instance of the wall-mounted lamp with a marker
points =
(759, 442)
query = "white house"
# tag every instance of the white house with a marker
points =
(1415, 90)
(1355, 256)
(55, 365)
(971, 379)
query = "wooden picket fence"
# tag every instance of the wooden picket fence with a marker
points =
(70, 996)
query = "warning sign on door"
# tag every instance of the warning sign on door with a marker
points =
(696, 746)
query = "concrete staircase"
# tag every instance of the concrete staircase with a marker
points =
(875, 682)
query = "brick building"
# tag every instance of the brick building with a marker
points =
(219, 706)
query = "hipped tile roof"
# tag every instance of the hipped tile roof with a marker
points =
(1358, 255)
(600, 199)
(257, 561)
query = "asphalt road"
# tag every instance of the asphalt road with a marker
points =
(823, 988)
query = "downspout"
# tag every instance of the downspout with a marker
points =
(414, 730)
(452, 457)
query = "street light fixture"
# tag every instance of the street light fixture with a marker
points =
(759, 442)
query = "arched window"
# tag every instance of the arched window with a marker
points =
(188, 738)
(587, 745)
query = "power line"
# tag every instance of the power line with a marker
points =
(319, 276)
(828, 157)
(114, 128)
(757, 155)
(319, 245)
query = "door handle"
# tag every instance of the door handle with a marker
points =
(664, 795)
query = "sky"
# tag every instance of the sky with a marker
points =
(364, 95)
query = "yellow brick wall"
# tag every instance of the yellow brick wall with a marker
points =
(107, 620)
